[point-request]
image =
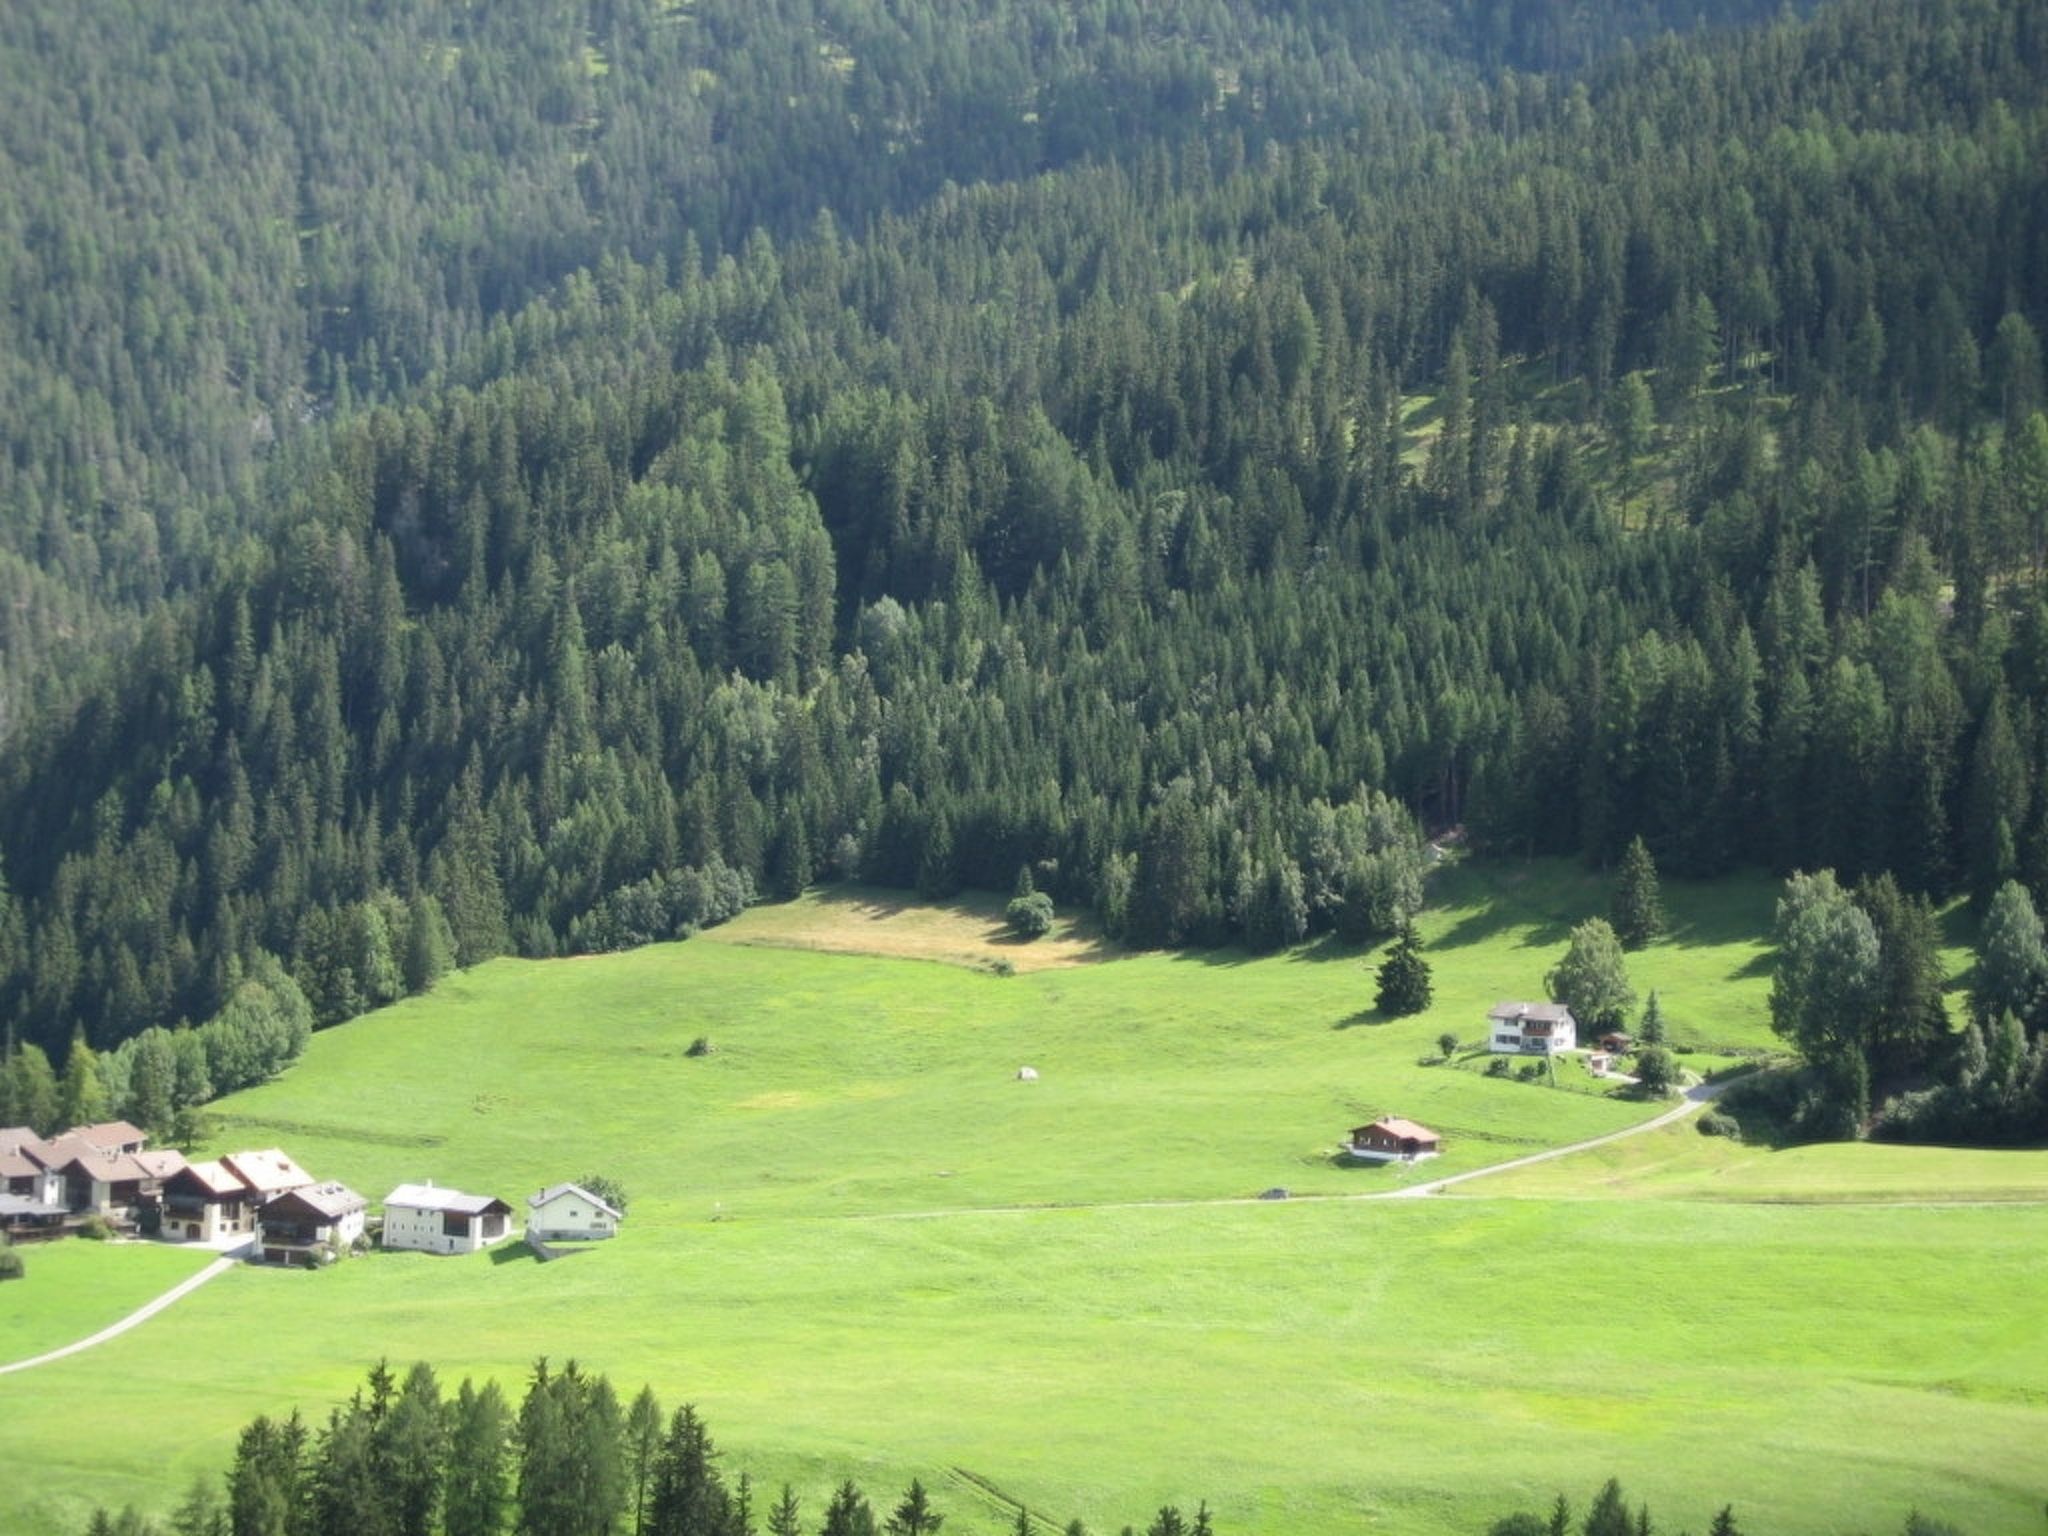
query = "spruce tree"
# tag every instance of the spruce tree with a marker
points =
(914, 1515)
(1651, 1031)
(847, 1514)
(1638, 909)
(1404, 978)
(475, 1500)
(784, 1517)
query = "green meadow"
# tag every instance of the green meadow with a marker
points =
(864, 1248)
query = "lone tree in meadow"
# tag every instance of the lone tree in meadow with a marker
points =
(1591, 979)
(1404, 985)
(1638, 911)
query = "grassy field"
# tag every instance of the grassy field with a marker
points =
(862, 1247)
(72, 1289)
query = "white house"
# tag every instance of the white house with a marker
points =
(432, 1220)
(1531, 1029)
(569, 1212)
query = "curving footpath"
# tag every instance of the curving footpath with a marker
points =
(1696, 1097)
(140, 1315)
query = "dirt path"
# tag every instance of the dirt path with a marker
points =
(141, 1314)
(1695, 1098)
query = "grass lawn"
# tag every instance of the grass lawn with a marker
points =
(863, 1247)
(72, 1288)
(1413, 1367)
(1679, 1163)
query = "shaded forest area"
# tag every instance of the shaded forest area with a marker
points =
(1424, 436)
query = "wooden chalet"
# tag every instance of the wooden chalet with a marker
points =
(267, 1174)
(304, 1225)
(24, 1219)
(1393, 1140)
(205, 1202)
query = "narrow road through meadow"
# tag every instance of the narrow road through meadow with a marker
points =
(141, 1314)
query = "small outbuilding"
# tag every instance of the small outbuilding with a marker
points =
(428, 1219)
(1393, 1140)
(570, 1213)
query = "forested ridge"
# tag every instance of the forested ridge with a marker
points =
(1655, 449)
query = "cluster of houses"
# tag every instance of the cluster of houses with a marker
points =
(1514, 1029)
(259, 1201)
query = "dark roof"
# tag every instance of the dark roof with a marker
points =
(553, 1190)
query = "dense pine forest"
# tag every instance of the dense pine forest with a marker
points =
(488, 478)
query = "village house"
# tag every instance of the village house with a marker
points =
(1531, 1029)
(25, 1169)
(570, 1213)
(205, 1202)
(1393, 1140)
(112, 1135)
(432, 1220)
(111, 1182)
(266, 1174)
(306, 1224)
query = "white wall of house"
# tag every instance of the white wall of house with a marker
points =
(570, 1216)
(424, 1231)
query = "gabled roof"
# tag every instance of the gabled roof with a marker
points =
(330, 1201)
(556, 1191)
(18, 1164)
(1537, 1013)
(97, 1162)
(215, 1178)
(110, 1133)
(431, 1197)
(160, 1164)
(1408, 1130)
(19, 1138)
(268, 1172)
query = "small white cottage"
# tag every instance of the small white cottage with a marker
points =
(432, 1220)
(570, 1213)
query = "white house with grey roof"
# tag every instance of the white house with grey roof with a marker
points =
(570, 1213)
(1531, 1029)
(430, 1219)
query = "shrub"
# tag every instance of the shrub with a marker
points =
(1498, 1067)
(1030, 916)
(701, 1046)
(1714, 1123)
(96, 1227)
(10, 1261)
(1529, 1071)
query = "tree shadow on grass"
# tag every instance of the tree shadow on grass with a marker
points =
(1364, 1016)
(519, 1251)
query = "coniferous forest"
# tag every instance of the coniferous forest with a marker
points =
(488, 478)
